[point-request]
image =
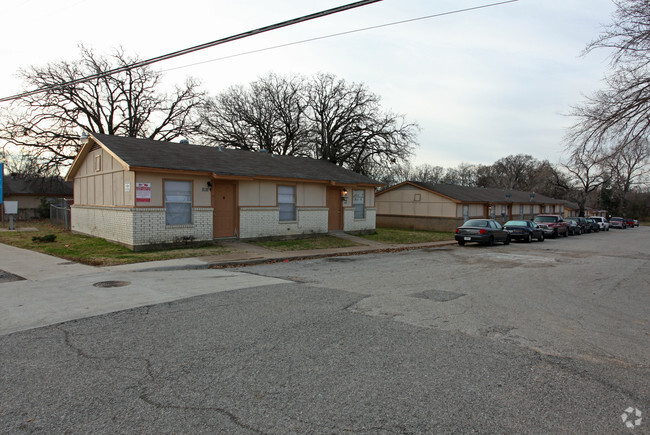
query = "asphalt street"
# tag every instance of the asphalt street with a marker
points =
(548, 337)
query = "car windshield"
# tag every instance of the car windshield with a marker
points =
(545, 219)
(515, 224)
(476, 223)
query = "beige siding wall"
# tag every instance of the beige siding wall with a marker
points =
(411, 201)
(264, 193)
(201, 195)
(101, 180)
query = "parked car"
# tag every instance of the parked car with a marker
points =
(524, 230)
(618, 222)
(594, 225)
(602, 223)
(586, 226)
(554, 222)
(629, 222)
(574, 227)
(485, 231)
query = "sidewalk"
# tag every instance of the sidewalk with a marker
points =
(247, 254)
(35, 266)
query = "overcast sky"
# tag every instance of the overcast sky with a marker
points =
(481, 84)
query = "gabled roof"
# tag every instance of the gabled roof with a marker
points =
(479, 194)
(142, 154)
(19, 184)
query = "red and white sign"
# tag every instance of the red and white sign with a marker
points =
(143, 192)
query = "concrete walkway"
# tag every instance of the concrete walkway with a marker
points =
(39, 290)
(35, 266)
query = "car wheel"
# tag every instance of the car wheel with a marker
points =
(507, 240)
(528, 238)
(461, 242)
(541, 237)
(491, 241)
(554, 236)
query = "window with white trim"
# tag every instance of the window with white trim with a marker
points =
(287, 203)
(359, 203)
(178, 202)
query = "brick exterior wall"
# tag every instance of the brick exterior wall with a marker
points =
(351, 224)
(445, 224)
(139, 228)
(257, 222)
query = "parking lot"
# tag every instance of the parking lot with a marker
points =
(529, 337)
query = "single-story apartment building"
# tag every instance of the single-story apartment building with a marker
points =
(143, 193)
(443, 207)
(30, 190)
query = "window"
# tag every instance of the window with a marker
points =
(287, 203)
(98, 163)
(359, 202)
(178, 202)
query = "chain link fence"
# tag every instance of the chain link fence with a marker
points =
(60, 215)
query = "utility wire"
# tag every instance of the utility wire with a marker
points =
(347, 32)
(171, 55)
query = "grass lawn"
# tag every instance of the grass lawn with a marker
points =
(91, 250)
(316, 242)
(403, 236)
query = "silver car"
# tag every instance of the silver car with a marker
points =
(602, 222)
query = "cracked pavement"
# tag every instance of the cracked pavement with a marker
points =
(512, 339)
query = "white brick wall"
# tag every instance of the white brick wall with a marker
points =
(352, 224)
(264, 222)
(139, 227)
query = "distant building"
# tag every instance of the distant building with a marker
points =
(29, 191)
(443, 207)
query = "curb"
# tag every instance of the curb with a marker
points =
(288, 258)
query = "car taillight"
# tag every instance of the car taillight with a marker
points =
(457, 231)
(481, 231)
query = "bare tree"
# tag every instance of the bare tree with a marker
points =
(464, 174)
(26, 163)
(325, 118)
(269, 115)
(586, 174)
(629, 167)
(350, 128)
(511, 172)
(621, 111)
(129, 103)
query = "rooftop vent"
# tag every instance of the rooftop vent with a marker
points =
(185, 141)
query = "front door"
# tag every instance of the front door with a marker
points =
(334, 206)
(224, 220)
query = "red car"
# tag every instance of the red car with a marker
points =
(629, 222)
(554, 222)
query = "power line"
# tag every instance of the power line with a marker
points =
(174, 54)
(347, 32)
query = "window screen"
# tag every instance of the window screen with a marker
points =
(359, 201)
(178, 202)
(287, 203)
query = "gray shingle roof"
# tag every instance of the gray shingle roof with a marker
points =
(147, 153)
(481, 194)
(31, 185)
